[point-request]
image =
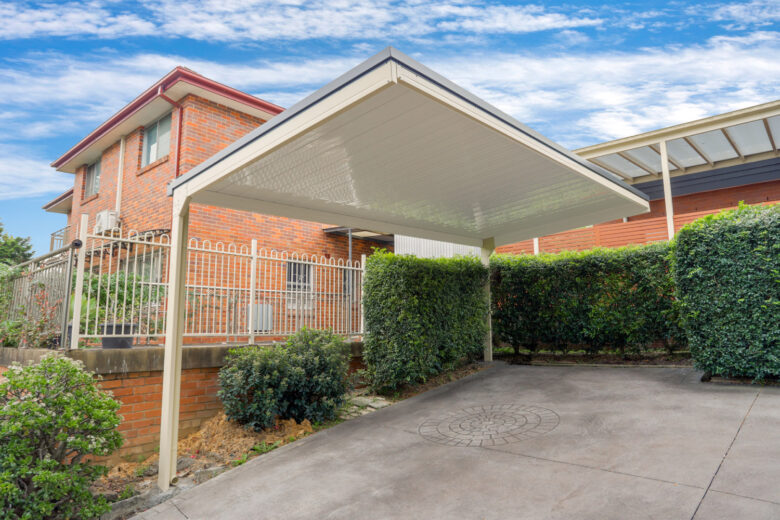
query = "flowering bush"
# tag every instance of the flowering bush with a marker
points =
(52, 417)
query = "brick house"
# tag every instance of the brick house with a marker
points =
(121, 170)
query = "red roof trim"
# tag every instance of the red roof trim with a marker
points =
(59, 199)
(170, 79)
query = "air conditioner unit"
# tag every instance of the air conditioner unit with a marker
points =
(106, 220)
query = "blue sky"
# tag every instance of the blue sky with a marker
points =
(579, 72)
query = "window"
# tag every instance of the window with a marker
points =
(157, 140)
(93, 179)
(300, 285)
(147, 267)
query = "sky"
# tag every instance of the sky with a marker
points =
(579, 72)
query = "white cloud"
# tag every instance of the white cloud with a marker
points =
(28, 20)
(264, 20)
(23, 177)
(743, 14)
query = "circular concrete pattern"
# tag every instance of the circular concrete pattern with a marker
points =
(490, 425)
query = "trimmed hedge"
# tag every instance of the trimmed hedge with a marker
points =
(727, 273)
(422, 316)
(618, 299)
(306, 378)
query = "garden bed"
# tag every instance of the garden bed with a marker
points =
(661, 358)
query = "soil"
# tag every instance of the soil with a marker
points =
(441, 379)
(218, 443)
(676, 359)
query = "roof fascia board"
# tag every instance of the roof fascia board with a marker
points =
(408, 64)
(58, 199)
(152, 93)
(717, 122)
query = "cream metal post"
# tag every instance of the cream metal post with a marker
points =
(252, 289)
(79, 289)
(536, 245)
(667, 190)
(488, 246)
(169, 428)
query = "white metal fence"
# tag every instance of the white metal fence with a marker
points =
(234, 293)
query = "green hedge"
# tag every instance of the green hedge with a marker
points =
(422, 316)
(617, 299)
(727, 273)
(306, 378)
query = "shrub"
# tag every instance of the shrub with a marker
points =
(727, 273)
(52, 416)
(304, 379)
(422, 316)
(619, 299)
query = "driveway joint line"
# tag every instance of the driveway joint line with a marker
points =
(745, 496)
(595, 468)
(728, 450)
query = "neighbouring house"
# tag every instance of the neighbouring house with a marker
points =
(711, 164)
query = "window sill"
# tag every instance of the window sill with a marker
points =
(90, 198)
(153, 165)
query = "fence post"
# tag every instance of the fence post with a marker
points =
(252, 284)
(362, 295)
(66, 301)
(80, 265)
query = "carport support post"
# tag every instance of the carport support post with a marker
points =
(174, 327)
(488, 246)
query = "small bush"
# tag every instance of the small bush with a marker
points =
(52, 416)
(619, 299)
(422, 316)
(727, 273)
(304, 379)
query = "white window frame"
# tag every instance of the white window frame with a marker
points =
(151, 152)
(300, 295)
(92, 178)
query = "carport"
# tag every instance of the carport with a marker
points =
(395, 147)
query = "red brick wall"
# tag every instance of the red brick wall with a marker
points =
(141, 396)
(650, 227)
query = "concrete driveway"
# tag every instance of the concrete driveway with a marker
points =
(524, 442)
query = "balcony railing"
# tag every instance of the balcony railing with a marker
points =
(61, 238)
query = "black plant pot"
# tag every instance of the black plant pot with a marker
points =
(118, 341)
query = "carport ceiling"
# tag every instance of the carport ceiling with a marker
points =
(393, 146)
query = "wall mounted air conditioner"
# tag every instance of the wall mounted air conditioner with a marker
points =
(106, 220)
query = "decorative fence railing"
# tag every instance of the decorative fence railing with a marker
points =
(115, 288)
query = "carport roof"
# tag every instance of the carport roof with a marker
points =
(393, 146)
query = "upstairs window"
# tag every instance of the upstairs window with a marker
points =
(93, 179)
(157, 140)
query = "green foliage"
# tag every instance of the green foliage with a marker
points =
(14, 250)
(265, 447)
(422, 316)
(306, 378)
(727, 273)
(620, 299)
(52, 416)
